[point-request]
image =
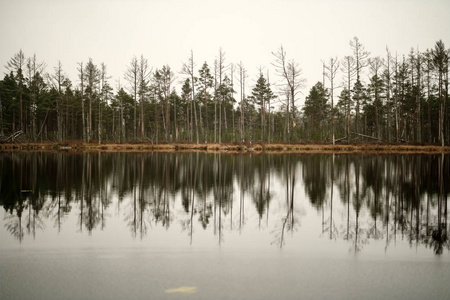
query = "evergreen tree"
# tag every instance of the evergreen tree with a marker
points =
(440, 62)
(316, 112)
(16, 66)
(345, 108)
(261, 96)
(92, 78)
(10, 107)
(361, 60)
(225, 92)
(186, 93)
(205, 82)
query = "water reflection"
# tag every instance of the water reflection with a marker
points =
(359, 198)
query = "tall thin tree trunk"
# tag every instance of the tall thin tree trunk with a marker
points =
(397, 137)
(349, 99)
(122, 121)
(83, 116)
(196, 123)
(418, 99)
(99, 124)
(175, 119)
(429, 102)
(441, 111)
(388, 96)
(142, 119)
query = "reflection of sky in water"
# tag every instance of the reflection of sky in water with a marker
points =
(238, 255)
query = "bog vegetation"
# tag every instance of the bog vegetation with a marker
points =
(395, 98)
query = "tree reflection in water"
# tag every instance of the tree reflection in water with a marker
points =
(288, 221)
(360, 198)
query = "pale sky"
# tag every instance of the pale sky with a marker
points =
(165, 31)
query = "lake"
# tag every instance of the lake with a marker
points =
(223, 226)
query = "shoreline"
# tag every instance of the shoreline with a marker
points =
(223, 148)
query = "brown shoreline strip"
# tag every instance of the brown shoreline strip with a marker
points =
(226, 148)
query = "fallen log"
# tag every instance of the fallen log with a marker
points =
(13, 136)
(366, 136)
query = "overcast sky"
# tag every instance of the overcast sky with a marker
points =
(165, 31)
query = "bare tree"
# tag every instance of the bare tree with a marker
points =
(35, 69)
(419, 122)
(242, 76)
(233, 100)
(83, 116)
(188, 69)
(387, 76)
(221, 69)
(143, 86)
(216, 96)
(105, 91)
(290, 71)
(348, 64)
(132, 75)
(375, 68)
(332, 69)
(396, 96)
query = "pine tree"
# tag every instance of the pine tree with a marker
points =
(16, 65)
(375, 88)
(316, 112)
(205, 82)
(261, 95)
(186, 92)
(92, 76)
(440, 63)
(360, 58)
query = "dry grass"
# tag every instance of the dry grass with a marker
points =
(233, 148)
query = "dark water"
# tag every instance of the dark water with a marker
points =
(216, 226)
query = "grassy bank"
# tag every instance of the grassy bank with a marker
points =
(212, 147)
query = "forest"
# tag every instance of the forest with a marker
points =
(361, 98)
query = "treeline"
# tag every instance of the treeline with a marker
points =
(405, 98)
(361, 98)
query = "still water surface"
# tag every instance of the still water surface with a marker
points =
(218, 226)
